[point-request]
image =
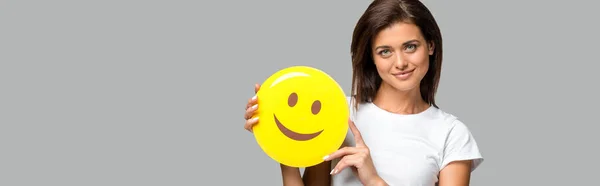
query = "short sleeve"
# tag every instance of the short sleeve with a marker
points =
(352, 113)
(349, 100)
(460, 145)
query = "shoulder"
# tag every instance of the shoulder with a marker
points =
(459, 142)
(443, 120)
(446, 118)
(351, 103)
(349, 100)
(452, 123)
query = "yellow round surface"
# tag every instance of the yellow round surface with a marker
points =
(303, 116)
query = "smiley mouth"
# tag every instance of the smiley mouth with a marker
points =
(294, 135)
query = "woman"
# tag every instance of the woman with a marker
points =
(398, 136)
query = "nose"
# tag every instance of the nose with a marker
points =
(401, 63)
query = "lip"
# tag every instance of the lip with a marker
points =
(294, 135)
(403, 72)
(404, 75)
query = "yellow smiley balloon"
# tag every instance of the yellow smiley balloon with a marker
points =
(303, 116)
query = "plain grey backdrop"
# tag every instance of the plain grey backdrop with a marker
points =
(134, 92)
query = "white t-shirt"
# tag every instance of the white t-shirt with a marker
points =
(409, 149)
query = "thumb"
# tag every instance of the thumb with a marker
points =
(256, 88)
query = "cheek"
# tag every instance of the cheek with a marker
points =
(420, 60)
(382, 65)
(421, 63)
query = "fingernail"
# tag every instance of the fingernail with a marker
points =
(254, 106)
(332, 171)
(255, 119)
(254, 98)
(326, 156)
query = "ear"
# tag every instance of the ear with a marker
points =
(431, 48)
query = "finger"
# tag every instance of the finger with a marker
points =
(341, 152)
(357, 136)
(252, 101)
(250, 123)
(345, 162)
(256, 88)
(250, 111)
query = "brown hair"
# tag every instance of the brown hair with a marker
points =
(379, 15)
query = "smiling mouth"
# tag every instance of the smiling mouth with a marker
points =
(294, 135)
(405, 72)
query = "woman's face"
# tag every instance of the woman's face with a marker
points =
(401, 55)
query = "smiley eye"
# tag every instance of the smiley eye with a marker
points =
(293, 99)
(316, 107)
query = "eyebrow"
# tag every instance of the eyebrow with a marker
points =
(405, 43)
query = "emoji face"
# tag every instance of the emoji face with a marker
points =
(303, 116)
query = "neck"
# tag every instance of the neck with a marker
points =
(400, 102)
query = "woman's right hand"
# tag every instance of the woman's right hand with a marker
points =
(251, 108)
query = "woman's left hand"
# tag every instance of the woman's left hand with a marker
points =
(358, 157)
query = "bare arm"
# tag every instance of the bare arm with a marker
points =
(318, 175)
(291, 176)
(457, 173)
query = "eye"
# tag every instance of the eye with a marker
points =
(293, 99)
(411, 47)
(316, 107)
(385, 52)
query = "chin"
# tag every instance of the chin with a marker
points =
(403, 86)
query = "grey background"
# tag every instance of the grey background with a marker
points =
(151, 92)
